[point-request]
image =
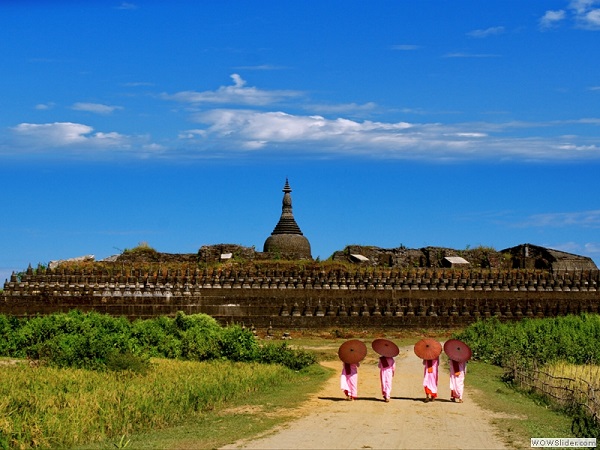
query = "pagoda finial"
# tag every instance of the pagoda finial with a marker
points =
(287, 187)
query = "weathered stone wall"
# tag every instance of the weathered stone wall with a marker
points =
(312, 299)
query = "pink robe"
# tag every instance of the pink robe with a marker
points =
(349, 380)
(387, 369)
(457, 378)
(430, 376)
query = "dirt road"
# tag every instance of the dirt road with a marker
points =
(328, 421)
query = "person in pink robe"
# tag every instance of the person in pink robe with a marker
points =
(458, 371)
(430, 377)
(387, 370)
(349, 380)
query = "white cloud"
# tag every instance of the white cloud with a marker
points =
(343, 108)
(584, 219)
(44, 106)
(584, 13)
(470, 55)
(238, 94)
(551, 18)
(486, 32)
(261, 67)
(127, 6)
(248, 129)
(405, 47)
(64, 134)
(96, 108)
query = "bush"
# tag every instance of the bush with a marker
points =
(295, 359)
(238, 344)
(570, 338)
(127, 361)
(98, 341)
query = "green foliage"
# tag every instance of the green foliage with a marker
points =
(97, 341)
(157, 337)
(238, 344)
(295, 359)
(128, 362)
(573, 339)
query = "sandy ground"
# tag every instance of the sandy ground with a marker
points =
(328, 421)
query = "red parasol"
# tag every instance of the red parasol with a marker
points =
(457, 350)
(352, 351)
(385, 347)
(428, 348)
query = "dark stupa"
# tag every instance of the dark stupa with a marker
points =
(286, 240)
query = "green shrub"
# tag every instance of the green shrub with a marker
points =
(295, 359)
(573, 339)
(200, 344)
(238, 344)
(157, 337)
(99, 341)
(127, 361)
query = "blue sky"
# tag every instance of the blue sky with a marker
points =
(412, 123)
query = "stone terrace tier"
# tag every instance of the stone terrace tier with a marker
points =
(311, 298)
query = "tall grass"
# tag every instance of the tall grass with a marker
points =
(574, 339)
(54, 407)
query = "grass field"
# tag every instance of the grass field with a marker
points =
(256, 399)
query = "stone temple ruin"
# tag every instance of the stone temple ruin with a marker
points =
(282, 287)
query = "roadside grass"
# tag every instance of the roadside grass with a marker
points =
(518, 416)
(241, 418)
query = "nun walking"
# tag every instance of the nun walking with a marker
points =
(387, 365)
(351, 353)
(458, 354)
(429, 351)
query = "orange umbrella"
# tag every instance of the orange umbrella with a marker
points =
(457, 350)
(385, 347)
(352, 351)
(428, 348)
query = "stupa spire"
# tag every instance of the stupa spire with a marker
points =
(287, 224)
(286, 240)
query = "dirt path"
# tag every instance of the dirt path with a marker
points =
(328, 421)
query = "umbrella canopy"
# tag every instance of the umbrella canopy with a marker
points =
(457, 350)
(428, 348)
(352, 351)
(385, 347)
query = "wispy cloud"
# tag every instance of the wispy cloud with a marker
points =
(65, 134)
(492, 31)
(248, 129)
(585, 14)
(138, 84)
(343, 108)
(584, 219)
(551, 18)
(470, 55)
(261, 67)
(237, 94)
(406, 47)
(127, 6)
(97, 108)
(45, 106)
